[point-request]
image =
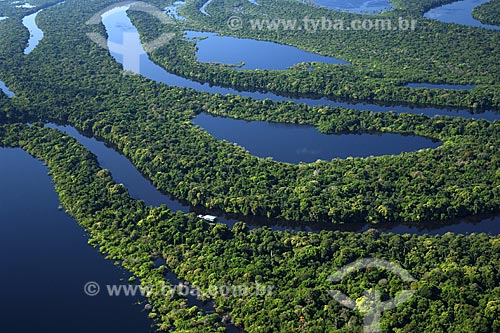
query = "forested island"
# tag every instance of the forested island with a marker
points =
(395, 57)
(488, 12)
(69, 79)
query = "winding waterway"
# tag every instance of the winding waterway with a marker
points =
(140, 188)
(130, 53)
(459, 12)
(203, 9)
(61, 263)
(117, 24)
(6, 90)
(46, 259)
(36, 34)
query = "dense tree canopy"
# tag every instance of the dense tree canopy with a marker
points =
(382, 62)
(488, 12)
(457, 280)
(68, 79)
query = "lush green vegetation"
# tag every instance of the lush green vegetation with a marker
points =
(457, 287)
(382, 62)
(104, 209)
(488, 13)
(460, 178)
(421, 6)
(13, 12)
(69, 79)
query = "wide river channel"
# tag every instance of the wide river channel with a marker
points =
(46, 258)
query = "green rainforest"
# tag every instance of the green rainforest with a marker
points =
(70, 80)
(488, 12)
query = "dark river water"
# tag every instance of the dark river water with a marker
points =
(46, 261)
(299, 143)
(121, 31)
(140, 188)
(125, 46)
(250, 53)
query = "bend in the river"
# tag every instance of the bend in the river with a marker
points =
(119, 22)
(36, 34)
(140, 188)
(441, 86)
(130, 53)
(203, 9)
(459, 12)
(173, 10)
(292, 143)
(6, 90)
(48, 228)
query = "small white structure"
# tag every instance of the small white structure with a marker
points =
(26, 5)
(208, 218)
